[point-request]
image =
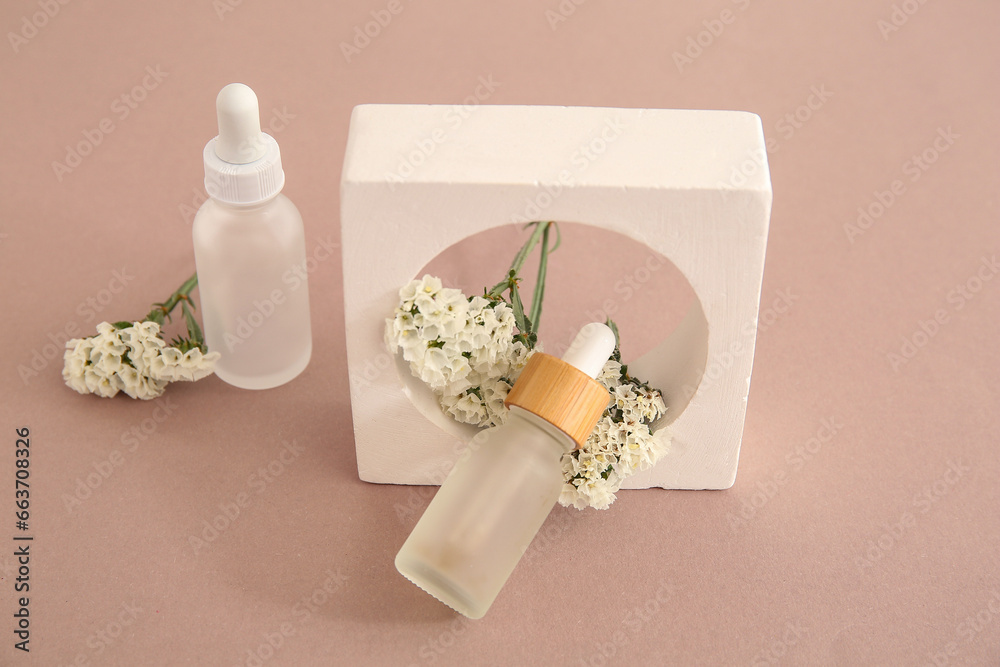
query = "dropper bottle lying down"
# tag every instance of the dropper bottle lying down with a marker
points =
(504, 485)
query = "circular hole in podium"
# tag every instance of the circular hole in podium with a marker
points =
(593, 275)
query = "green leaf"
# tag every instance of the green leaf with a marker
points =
(523, 324)
(194, 331)
(614, 329)
(532, 241)
(543, 264)
(558, 237)
(157, 313)
(617, 354)
(186, 344)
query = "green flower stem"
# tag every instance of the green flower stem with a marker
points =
(535, 315)
(528, 323)
(520, 257)
(161, 311)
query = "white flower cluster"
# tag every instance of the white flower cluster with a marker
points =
(621, 444)
(464, 348)
(134, 360)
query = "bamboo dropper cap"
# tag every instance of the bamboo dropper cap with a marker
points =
(563, 391)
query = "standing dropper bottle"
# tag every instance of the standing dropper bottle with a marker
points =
(250, 253)
(486, 513)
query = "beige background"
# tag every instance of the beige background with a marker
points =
(864, 551)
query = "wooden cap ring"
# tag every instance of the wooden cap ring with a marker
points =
(561, 394)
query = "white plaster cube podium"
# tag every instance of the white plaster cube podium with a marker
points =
(692, 185)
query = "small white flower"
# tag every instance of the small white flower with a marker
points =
(140, 386)
(105, 386)
(610, 374)
(468, 409)
(495, 392)
(172, 365)
(428, 285)
(144, 343)
(76, 359)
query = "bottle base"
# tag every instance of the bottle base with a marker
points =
(266, 381)
(433, 582)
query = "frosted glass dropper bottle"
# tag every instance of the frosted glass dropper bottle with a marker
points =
(504, 485)
(250, 253)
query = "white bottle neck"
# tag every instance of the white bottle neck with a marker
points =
(567, 443)
(246, 208)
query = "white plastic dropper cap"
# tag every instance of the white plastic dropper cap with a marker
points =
(240, 140)
(591, 348)
(242, 164)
